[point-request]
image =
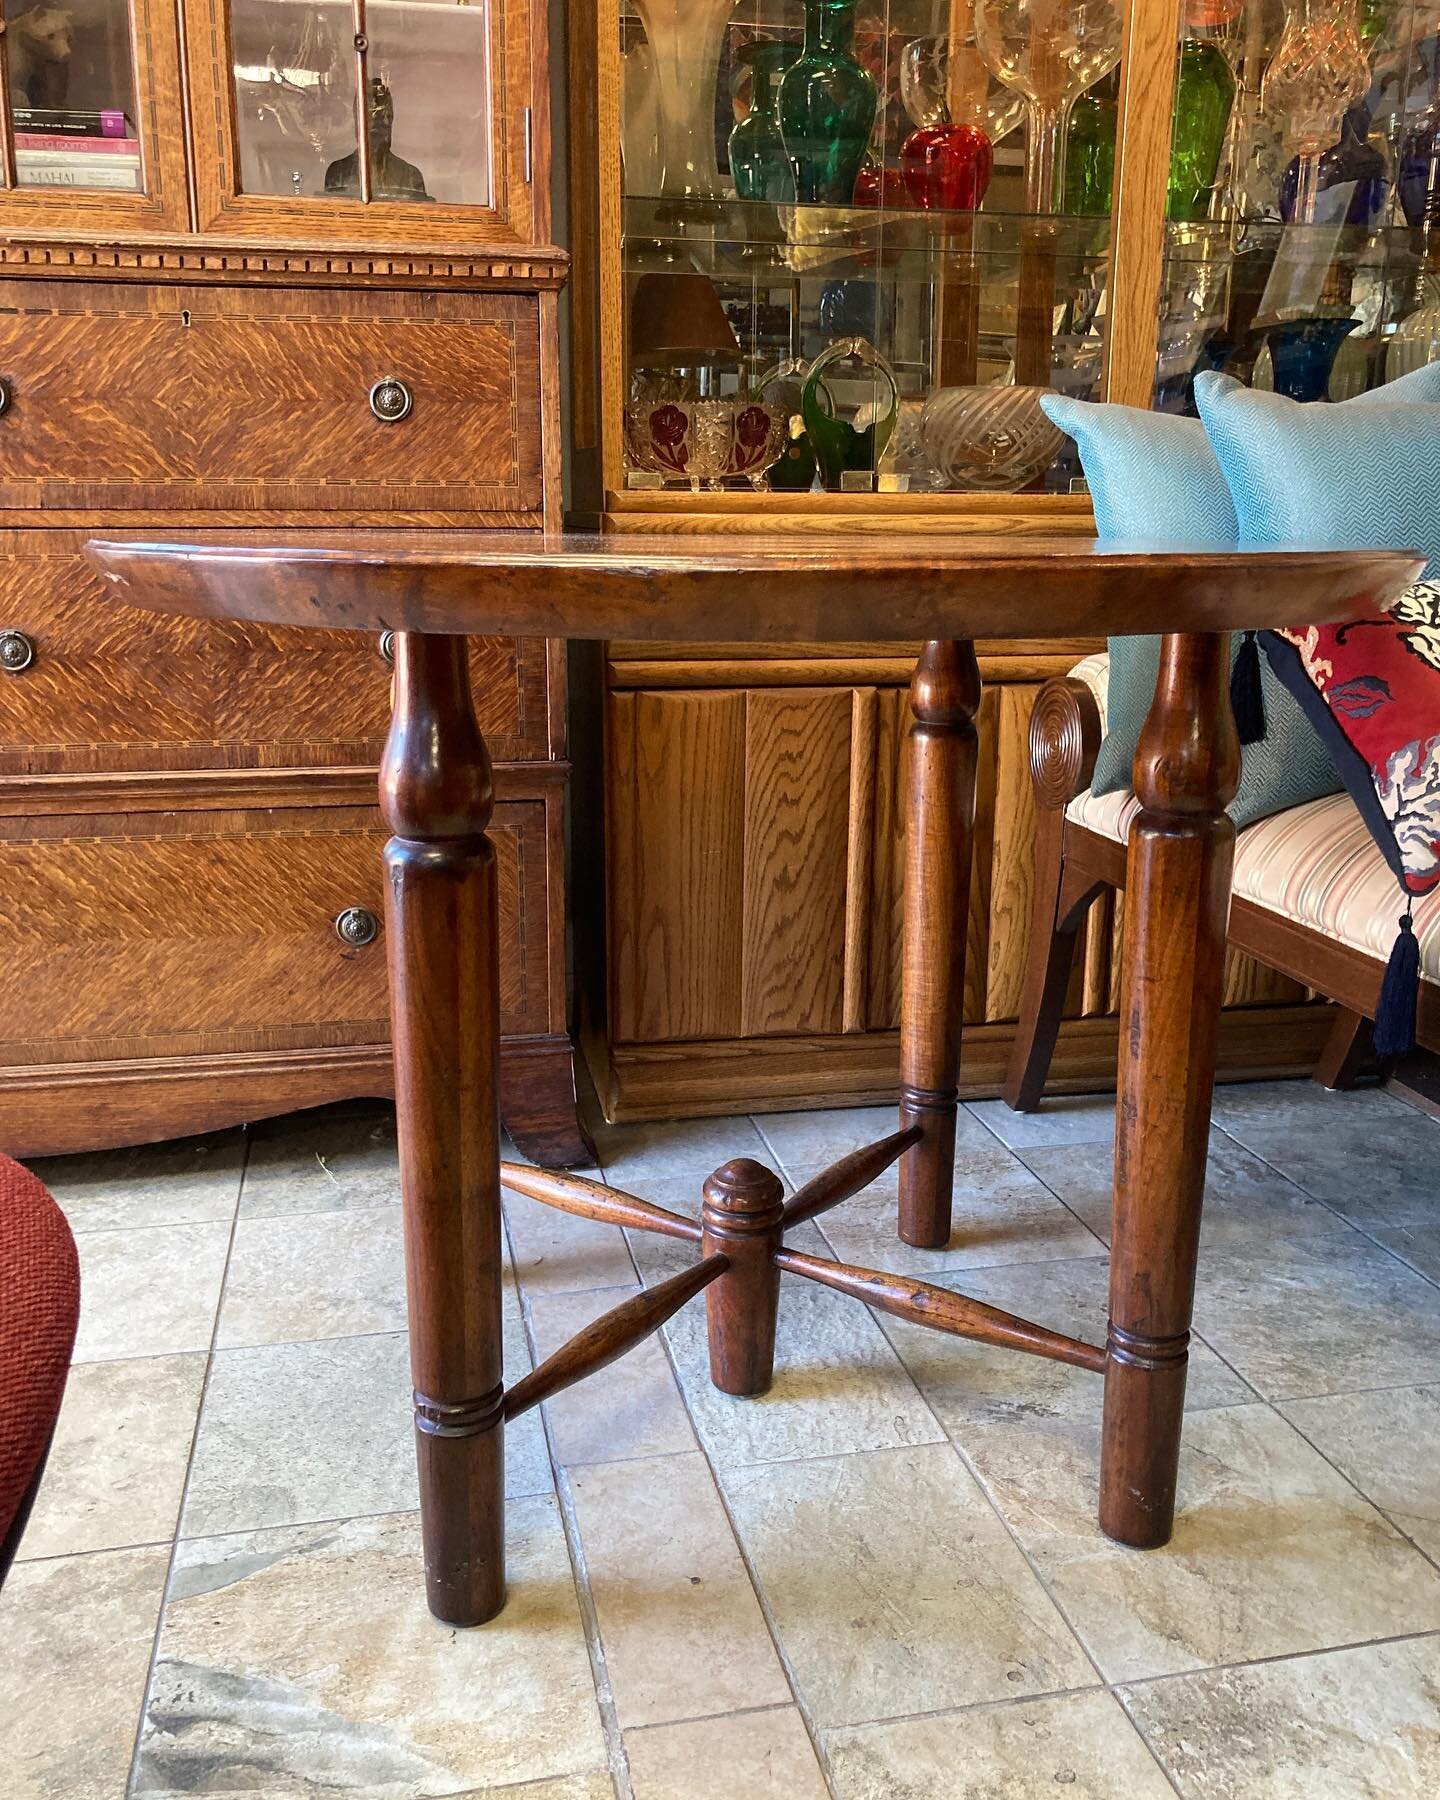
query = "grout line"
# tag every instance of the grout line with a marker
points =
(134, 1770)
(1283, 1656)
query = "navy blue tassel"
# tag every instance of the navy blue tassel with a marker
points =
(1394, 1031)
(1247, 697)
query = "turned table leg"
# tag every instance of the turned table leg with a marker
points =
(1176, 903)
(435, 792)
(940, 820)
(743, 1220)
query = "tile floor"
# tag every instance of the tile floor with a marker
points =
(883, 1581)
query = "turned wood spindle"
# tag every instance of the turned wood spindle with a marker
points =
(1186, 771)
(940, 820)
(743, 1219)
(442, 931)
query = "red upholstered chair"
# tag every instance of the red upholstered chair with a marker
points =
(39, 1310)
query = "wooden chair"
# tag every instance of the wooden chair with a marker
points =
(39, 1310)
(1312, 897)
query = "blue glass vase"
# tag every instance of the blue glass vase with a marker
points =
(1303, 352)
(1354, 160)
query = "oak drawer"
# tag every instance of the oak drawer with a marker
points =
(125, 398)
(114, 688)
(170, 934)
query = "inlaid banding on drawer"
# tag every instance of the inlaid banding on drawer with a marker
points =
(131, 399)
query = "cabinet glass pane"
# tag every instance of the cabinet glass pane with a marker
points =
(72, 95)
(851, 260)
(423, 67)
(1304, 200)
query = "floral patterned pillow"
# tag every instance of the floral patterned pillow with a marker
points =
(1372, 690)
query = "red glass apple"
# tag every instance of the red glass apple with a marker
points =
(947, 167)
(876, 185)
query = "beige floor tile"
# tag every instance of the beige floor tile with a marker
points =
(969, 1385)
(1389, 1445)
(895, 1588)
(302, 1662)
(817, 1139)
(747, 1756)
(527, 1454)
(330, 1159)
(1002, 1214)
(1078, 1745)
(1246, 1201)
(1273, 1552)
(149, 1292)
(1360, 1724)
(631, 1408)
(117, 1465)
(595, 1786)
(1373, 1163)
(838, 1384)
(77, 1635)
(1319, 1316)
(683, 1633)
(314, 1275)
(556, 1252)
(186, 1182)
(687, 1148)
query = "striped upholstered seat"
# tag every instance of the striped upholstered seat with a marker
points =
(1315, 864)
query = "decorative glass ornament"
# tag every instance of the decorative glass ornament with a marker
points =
(827, 107)
(1303, 352)
(879, 185)
(1417, 338)
(1204, 95)
(1048, 51)
(991, 439)
(1319, 71)
(759, 166)
(1353, 165)
(849, 446)
(945, 81)
(947, 167)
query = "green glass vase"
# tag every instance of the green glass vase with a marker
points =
(758, 163)
(1090, 153)
(1204, 94)
(827, 107)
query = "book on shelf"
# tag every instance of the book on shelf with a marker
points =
(57, 143)
(49, 168)
(62, 121)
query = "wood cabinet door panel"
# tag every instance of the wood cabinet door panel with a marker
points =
(212, 399)
(169, 934)
(114, 688)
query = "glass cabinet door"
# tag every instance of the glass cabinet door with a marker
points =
(1304, 252)
(416, 111)
(854, 253)
(91, 133)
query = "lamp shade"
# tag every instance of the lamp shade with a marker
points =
(676, 318)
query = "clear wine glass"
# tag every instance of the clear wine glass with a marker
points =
(1048, 52)
(945, 82)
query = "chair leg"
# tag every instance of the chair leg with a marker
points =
(1063, 895)
(1348, 1052)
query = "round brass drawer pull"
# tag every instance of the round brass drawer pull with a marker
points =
(6, 394)
(386, 647)
(357, 926)
(390, 400)
(17, 652)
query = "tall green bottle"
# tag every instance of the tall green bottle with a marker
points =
(1090, 151)
(827, 107)
(1204, 94)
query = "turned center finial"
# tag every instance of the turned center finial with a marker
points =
(744, 1186)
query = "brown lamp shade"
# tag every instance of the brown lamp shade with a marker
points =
(676, 318)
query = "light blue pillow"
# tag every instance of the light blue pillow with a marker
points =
(1155, 476)
(1358, 476)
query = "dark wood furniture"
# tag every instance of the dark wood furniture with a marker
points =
(437, 795)
(188, 829)
(1074, 866)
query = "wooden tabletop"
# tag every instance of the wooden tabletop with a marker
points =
(746, 589)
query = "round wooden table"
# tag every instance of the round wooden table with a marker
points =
(947, 589)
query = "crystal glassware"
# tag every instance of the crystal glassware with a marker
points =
(1353, 167)
(1049, 52)
(944, 81)
(759, 166)
(989, 439)
(1417, 337)
(1418, 177)
(1318, 72)
(827, 107)
(685, 38)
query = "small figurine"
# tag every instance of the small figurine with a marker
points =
(40, 42)
(391, 177)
